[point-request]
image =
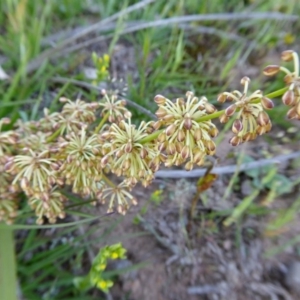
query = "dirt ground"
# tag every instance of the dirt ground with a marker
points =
(200, 258)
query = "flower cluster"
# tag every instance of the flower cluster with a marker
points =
(292, 79)
(185, 138)
(249, 113)
(70, 149)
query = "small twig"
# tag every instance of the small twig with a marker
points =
(227, 169)
(137, 26)
(90, 86)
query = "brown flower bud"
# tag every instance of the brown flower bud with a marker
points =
(271, 70)
(237, 126)
(244, 80)
(189, 94)
(267, 103)
(185, 152)
(210, 146)
(260, 130)
(235, 140)
(222, 98)
(162, 147)
(180, 135)
(156, 125)
(197, 134)
(230, 110)
(292, 113)
(224, 119)
(247, 137)
(189, 166)
(179, 147)
(209, 108)
(143, 153)
(162, 137)
(287, 55)
(288, 79)
(128, 147)
(263, 118)
(161, 112)
(213, 132)
(171, 149)
(187, 123)
(170, 130)
(288, 98)
(198, 157)
(168, 118)
(159, 99)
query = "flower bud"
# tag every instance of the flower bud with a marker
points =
(197, 134)
(288, 98)
(213, 132)
(179, 147)
(180, 135)
(260, 130)
(271, 70)
(160, 113)
(171, 149)
(185, 152)
(159, 99)
(222, 98)
(235, 141)
(187, 123)
(245, 80)
(237, 126)
(209, 108)
(189, 166)
(263, 118)
(287, 55)
(292, 113)
(170, 130)
(224, 119)
(267, 103)
(230, 110)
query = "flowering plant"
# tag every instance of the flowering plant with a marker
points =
(70, 149)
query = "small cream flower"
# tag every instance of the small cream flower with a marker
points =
(118, 196)
(251, 119)
(126, 155)
(185, 138)
(116, 108)
(292, 79)
(80, 156)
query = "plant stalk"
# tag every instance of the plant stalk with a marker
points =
(8, 273)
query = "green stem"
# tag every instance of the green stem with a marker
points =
(104, 119)
(8, 274)
(219, 113)
(54, 135)
(215, 115)
(110, 183)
